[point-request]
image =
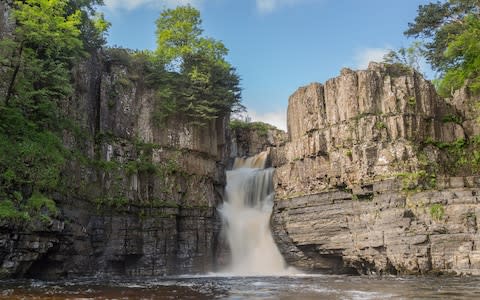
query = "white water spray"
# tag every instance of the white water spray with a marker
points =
(246, 215)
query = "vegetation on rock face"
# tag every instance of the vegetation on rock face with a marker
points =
(35, 79)
(437, 212)
(260, 127)
(188, 71)
(447, 37)
(407, 57)
(417, 180)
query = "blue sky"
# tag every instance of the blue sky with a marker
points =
(278, 45)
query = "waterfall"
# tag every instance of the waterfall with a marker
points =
(246, 215)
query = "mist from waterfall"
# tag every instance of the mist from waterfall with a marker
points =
(246, 215)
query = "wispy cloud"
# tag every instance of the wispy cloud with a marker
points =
(268, 6)
(276, 118)
(115, 5)
(366, 55)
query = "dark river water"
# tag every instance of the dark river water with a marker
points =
(212, 287)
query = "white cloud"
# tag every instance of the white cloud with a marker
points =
(277, 118)
(366, 55)
(115, 5)
(268, 6)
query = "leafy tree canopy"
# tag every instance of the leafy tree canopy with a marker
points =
(437, 23)
(35, 78)
(199, 83)
(450, 35)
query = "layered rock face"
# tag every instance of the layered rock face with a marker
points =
(359, 127)
(139, 196)
(254, 138)
(363, 184)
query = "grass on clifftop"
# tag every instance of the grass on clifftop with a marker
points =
(260, 127)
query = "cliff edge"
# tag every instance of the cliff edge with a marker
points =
(379, 176)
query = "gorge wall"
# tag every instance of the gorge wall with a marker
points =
(379, 176)
(249, 139)
(138, 197)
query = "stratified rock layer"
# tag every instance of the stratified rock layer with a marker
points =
(253, 138)
(362, 185)
(140, 200)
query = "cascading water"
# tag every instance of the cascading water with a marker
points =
(246, 215)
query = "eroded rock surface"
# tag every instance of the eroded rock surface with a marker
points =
(253, 138)
(140, 197)
(376, 176)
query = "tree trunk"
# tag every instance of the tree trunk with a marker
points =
(11, 86)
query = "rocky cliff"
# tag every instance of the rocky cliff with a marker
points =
(378, 176)
(138, 197)
(248, 139)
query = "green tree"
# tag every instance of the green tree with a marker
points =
(436, 23)
(463, 52)
(34, 79)
(45, 41)
(93, 26)
(450, 35)
(410, 56)
(197, 81)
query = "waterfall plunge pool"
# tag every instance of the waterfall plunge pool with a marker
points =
(215, 287)
(257, 270)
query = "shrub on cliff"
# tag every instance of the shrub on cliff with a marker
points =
(260, 127)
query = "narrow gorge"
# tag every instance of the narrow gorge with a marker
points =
(148, 172)
(377, 175)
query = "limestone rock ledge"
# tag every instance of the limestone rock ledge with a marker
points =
(385, 231)
(376, 176)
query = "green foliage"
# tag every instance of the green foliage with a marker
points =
(412, 101)
(178, 35)
(38, 203)
(437, 212)
(380, 125)
(436, 23)
(459, 155)
(408, 57)
(417, 180)
(452, 119)
(37, 207)
(194, 79)
(349, 153)
(29, 156)
(35, 77)
(463, 54)
(260, 127)
(9, 212)
(44, 25)
(450, 33)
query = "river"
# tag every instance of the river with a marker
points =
(214, 287)
(260, 271)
